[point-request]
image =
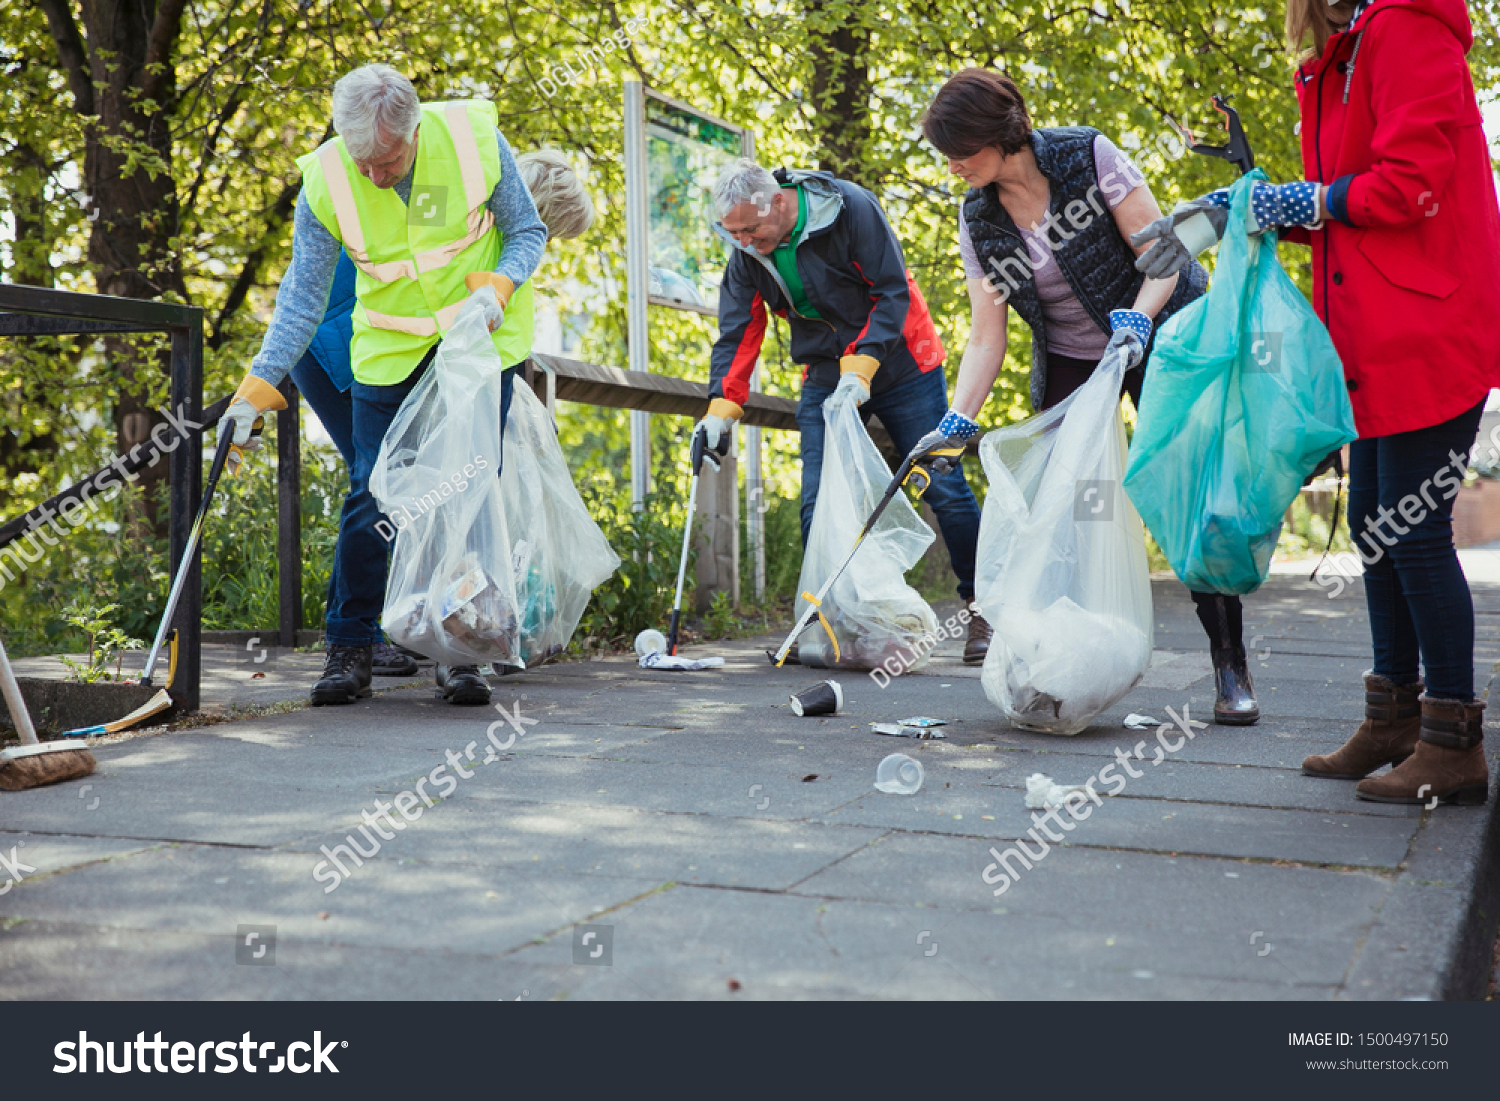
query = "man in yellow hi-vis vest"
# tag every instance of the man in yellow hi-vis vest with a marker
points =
(428, 203)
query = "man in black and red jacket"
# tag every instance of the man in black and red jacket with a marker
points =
(820, 253)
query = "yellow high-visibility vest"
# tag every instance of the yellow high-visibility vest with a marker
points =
(412, 257)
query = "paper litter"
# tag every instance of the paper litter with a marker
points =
(922, 721)
(1042, 792)
(1137, 721)
(904, 729)
(658, 660)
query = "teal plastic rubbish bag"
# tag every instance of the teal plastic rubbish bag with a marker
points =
(1244, 395)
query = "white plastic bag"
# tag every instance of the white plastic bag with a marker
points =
(1062, 574)
(452, 592)
(559, 554)
(874, 614)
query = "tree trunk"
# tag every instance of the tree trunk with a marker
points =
(841, 92)
(123, 82)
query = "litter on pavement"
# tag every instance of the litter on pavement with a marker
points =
(658, 660)
(905, 730)
(1042, 792)
(1136, 721)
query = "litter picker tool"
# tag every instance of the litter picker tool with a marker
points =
(195, 535)
(699, 451)
(1237, 150)
(32, 764)
(911, 470)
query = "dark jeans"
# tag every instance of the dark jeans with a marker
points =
(356, 589)
(1222, 617)
(334, 407)
(909, 411)
(1401, 521)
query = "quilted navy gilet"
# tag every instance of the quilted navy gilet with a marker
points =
(1097, 262)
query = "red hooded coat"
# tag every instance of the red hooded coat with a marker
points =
(1406, 274)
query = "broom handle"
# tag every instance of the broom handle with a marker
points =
(13, 700)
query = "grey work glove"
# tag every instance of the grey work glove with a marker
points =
(715, 432)
(1191, 228)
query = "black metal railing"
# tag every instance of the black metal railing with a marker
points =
(41, 311)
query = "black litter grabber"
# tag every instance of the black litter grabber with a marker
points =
(1237, 151)
(910, 471)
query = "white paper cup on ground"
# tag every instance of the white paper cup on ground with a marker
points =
(899, 774)
(650, 641)
(823, 698)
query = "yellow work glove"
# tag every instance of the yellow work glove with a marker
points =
(246, 414)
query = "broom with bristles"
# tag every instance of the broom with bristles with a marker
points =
(31, 764)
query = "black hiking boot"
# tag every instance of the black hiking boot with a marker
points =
(346, 676)
(462, 684)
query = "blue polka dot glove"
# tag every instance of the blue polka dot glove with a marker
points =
(941, 450)
(1132, 332)
(1276, 205)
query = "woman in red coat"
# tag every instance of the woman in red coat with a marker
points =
(1400, 209)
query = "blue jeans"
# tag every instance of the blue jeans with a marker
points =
(1418, 598)
(356, 589)
(334, 407)
(909, 411)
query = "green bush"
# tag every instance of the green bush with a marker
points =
(639, 594)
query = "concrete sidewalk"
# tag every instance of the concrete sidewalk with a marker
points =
(660, 835)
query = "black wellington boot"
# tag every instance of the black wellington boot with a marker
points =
(1234, 691)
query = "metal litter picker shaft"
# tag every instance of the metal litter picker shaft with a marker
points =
(699, 450)
(909, 470)
(195, 535)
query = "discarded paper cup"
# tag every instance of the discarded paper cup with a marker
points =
(899, 774)
(823, 698)
(650, 641)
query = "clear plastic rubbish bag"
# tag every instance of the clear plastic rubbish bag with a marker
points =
(872, 613)
(1244, 397)
(1062, 574)
(452, 592)
(558, 553)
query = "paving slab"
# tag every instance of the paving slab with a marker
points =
(721, 848)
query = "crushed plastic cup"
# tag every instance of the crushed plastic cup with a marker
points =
(650, 641)
(899, 774)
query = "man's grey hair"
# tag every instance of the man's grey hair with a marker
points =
(561, 201)
(744, 181)
(374, 108)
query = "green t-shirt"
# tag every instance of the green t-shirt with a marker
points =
(784, 257)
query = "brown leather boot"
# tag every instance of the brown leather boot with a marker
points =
(1386, 737)
(1448, 764)
(978, 644)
